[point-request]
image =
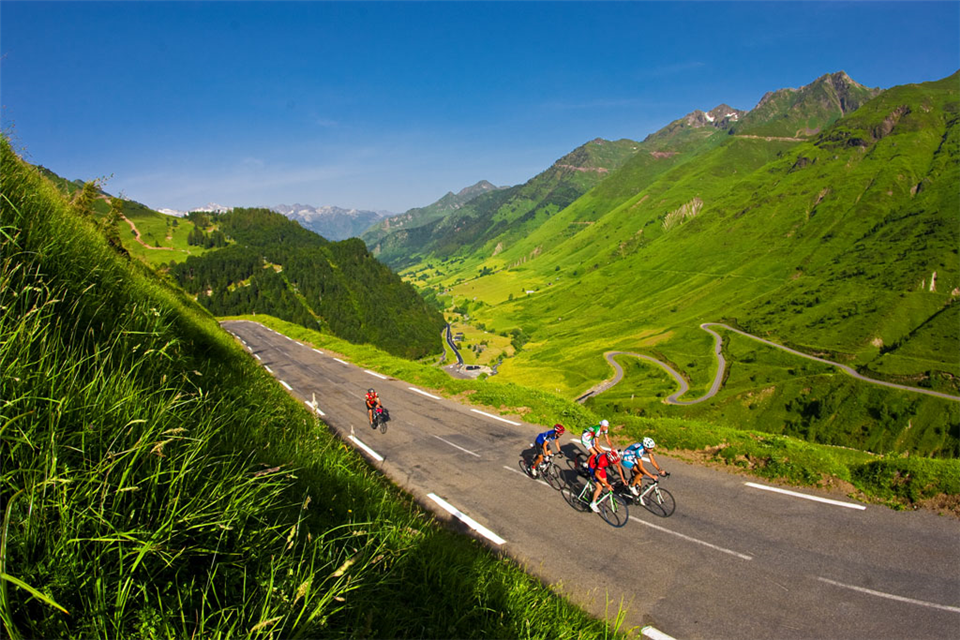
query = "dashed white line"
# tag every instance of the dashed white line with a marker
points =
(318, 351)
(490, 415)
(314, 407)
(457, 446)
(373, 373)
(424, 393)
(891, 596)
(299, 343)
(289, 388)
(467, 520)
(685, 537)
(526, 476)
(269, 370)
(258, 357)
(373, 454)
(654, 634)
(341, 361)
(837, 503)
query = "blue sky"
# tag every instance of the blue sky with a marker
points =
(389, 105)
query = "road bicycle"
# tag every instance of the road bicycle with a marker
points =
(546, 470)
(613, 507)
(652, 497)
(380, 419)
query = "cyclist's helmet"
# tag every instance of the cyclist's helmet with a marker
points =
(648, 443)
(613, 456)
(371, 391)
(558, 429)
(604, 425)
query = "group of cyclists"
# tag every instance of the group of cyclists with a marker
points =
(601, 461)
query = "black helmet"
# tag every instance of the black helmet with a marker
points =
(370, 391)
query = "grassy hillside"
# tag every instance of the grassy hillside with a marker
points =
(828, 245)
(155, 482)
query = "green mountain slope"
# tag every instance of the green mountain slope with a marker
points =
(827, 245)
(420, 216)
(277, 267)
(495, 217)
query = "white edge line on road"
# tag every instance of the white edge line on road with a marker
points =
(837, 503)
(375, 374)
(685, 537)
(257, 357)
(299, 343)
(890, 596)
(654, 634)
(318, 351)
(526, 476)
(490, 415)
(341, 361)
(455, 446)
(373, 454)
(424, 393)
(467, 520)
(314, 407)
(269, 370)
(289, 388)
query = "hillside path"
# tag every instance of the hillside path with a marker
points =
(674, 398)
(136, 234)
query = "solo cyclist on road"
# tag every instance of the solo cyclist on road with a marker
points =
(632, 460)
(373, 401)
(543, 442)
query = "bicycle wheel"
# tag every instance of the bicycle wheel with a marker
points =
(572, 495)
(383, 424)
(552, 476)
(660, 502)
(613, 509)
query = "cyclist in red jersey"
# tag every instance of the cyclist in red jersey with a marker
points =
(373, 401)
(598, 466)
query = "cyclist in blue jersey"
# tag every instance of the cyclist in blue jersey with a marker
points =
(598, 465)
(543, 442)
(632, 459)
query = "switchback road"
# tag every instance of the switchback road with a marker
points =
(737, 559)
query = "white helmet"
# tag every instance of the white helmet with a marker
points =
(648, 443)
(604, 423)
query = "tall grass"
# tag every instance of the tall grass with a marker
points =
(156, 483)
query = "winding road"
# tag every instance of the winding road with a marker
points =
(674, 398)
(738, 559)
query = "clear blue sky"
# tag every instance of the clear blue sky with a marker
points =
(389, 105)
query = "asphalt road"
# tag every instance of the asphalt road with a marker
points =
(736, 560)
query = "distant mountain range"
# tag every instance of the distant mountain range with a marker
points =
(333, 223)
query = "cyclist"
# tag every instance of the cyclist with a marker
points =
(373, 402)
(543, 441)
(592, 434)
(598, 467)
(632, 460)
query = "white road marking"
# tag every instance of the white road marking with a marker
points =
(654, 634)
(467, 520)
(457, 446)
(424, 393)
(837, 503)
(490, 415)
(289, 388)
(373, 454)
(526, 476)
(258, 357)
(341, 361)
(375, 374)
(299, 343)
(890, 596)
(269, 370)
(318, 351)
(314, 407)
(685, 537)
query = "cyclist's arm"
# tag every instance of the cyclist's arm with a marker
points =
(620, 471)
(643, 469)
(654, 462)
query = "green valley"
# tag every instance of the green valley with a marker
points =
(842, 243)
